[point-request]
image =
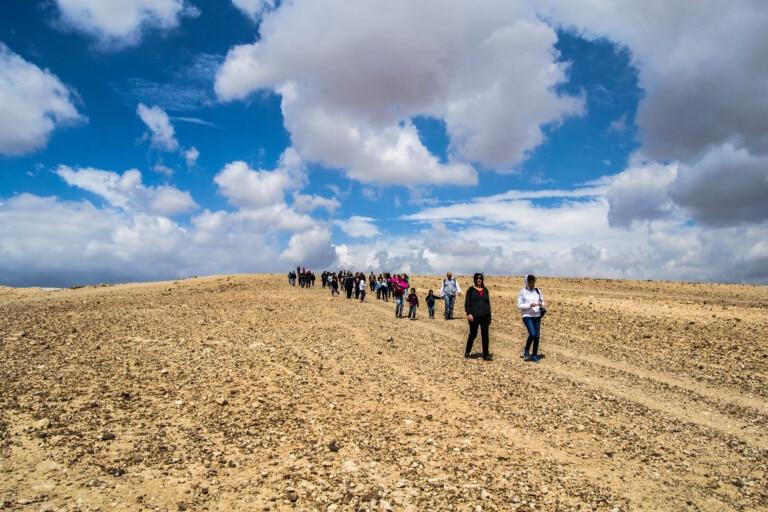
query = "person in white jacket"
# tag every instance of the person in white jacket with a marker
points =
(530, 302)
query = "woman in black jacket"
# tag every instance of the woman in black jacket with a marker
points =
(477, 305)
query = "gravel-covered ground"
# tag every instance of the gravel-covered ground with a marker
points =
(242, 393)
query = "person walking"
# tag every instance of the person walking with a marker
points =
(361, 286)
(477, 305)
(448, 291)
(413, 303)
(430, 300)
(334, 285)
(398, 292)
(531, 304)
(349, 284)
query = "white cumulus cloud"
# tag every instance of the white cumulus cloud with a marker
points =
(358, 226)
(191, 155)
(308, 203)
(249, 188)
(118, 23)
(163, 135)
(127, 192)
(33, 102)
(253, 8)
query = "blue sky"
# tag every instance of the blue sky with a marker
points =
(154, 139)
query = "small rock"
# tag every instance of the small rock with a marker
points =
(292, 496)
(164, 371)
(222, 401)
(349, 466)
(181, 506)
(116, 471)
(42, 424)
(334, 446)
(106, 436)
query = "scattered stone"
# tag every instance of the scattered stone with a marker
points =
(349, 466)
(106, 436)
(222, 401)
(117, 472)
(42, 424)
(334, 446)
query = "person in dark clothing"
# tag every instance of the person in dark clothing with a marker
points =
(349, 285)
(413, 303)
(477, 305)
(430, 300)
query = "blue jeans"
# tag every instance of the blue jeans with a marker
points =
(533, 325)
(449, 301)
(412, 312)
(431, 310)
(398, 305)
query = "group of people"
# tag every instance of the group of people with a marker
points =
(305, 277)
(477, 302)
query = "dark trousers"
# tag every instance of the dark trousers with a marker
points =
(483, 323)
(533, 325)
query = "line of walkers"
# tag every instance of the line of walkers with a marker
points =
(477, 302)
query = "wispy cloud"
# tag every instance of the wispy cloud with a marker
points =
(195, 120)
(189, 88)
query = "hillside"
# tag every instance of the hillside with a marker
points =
(241, 392)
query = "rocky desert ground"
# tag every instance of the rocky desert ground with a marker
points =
(242, 393)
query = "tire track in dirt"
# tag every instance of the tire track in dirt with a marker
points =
(636, 397)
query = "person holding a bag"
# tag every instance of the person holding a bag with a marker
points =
(531, 304)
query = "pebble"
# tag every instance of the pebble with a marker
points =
(41, 424)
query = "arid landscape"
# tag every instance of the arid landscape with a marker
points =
(243, 393)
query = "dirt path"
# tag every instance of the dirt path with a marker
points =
(243, 393)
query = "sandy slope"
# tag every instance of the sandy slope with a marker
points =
(243, 393)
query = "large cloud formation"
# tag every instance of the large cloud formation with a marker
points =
(703, 72)
(488, 70)
(33, 102)
(136, 235)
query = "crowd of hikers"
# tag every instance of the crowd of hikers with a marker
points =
(477, 301)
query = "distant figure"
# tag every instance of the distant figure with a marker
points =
(477, 305)
(384, 287)
(334, 285)
(398, 291)
(448, 291)
(413, 303)
(430, 300)
(531, 304)
(349, 284)
(361, 286)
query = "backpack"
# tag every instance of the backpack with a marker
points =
(397, 288)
